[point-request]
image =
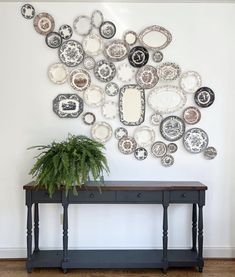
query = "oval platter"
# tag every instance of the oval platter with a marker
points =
(116, 50)
(168, 71)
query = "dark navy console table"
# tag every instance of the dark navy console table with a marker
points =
(123, 192)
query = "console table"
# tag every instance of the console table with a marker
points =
(119, 192)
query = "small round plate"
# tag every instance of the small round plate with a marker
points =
(204, 97)
(120, 133)
(195, 140)
(111, 89)
(172, 147)
(94, 96)
(88, 118)
(157, 56)
(101, 132)
(190, 81)
(104, 71)
(159, 149)
(125, 73)
(93, 45)
(192, 115)
(28, 11)
(65, 31)
(82, 25)
(138, 56)
(210, 153)
(97, 18)
(127, 145)
(58, 73)
(147, 77)
(141, 153)
(156, 119)
(44, 23)
(89, 63)
(172, 128)
(53, 40)
(167, 160)
(71, 53)
(168, 71)
(130, 37)
(79, 79)
(107, 29)
(109, 110)
(144, 136)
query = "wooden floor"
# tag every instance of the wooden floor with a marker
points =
(213, 268)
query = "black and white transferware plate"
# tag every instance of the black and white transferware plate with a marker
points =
(71, 53)
(44, 23)
(28, 11)
(111, 89)
(147, 77)
(140, 153)
(89, 63)
(104, 71)
(204, 97)
(120, 132)
(53, 40)
(172, 147)
(159, 149)
(107, 29)
(127, 145)
(138, 56)
(172, 128)
(89, 118)
(210, 153)
(65, 31)
(195, 140)
(167, 160)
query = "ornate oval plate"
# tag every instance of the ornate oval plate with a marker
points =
(94, 96)
(167, 160)
(210, 153)
(71, 53)
(28, 11)
(195, 140)
(155, 37)
(101, 132)
(109, 110)
(158, 149)
(97, 18)
(58, 73)
(93, 45)
(172, 147)
(104, 71)
(116, 50)
(120, 133)
(204, 97)
(138, 56)
(157, 56)
(125, 73)
(88, 118)
(53, 40)
(111, 89)
(79, 79)
(144, 136)
(192, 115)
(130, 37)
(166, 99)
(65, 31)
(44, 23)
(147, 77)
(172, 128)
(107, 29)
(156, 119)
(88, 63)
(168, 71)
(127, 145)
(141, 153)
(190, 81)
(82, 25)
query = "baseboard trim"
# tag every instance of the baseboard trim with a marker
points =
(209, 252)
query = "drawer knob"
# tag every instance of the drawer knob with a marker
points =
(139, 195)
(46, 193)
(92, 195)
(183, 195)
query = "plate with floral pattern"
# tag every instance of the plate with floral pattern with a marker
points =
(71, 53)
(44, 23)
(127, 145)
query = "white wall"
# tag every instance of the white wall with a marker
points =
(203, 40)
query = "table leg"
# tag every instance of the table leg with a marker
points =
(200, 239)
(165, 238)
(65, 233)
(29, 237)
(36, 227)
(194, 227)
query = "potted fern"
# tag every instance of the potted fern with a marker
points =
(69, 163)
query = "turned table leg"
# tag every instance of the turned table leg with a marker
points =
(65, 234)
(194, 227)
(200, 239)
(36, 227)
(29, 236)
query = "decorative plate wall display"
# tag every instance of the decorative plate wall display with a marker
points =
(125, 73)
(71, 53)
(130, 37)
(89, 118)
(166, 99)
(44, 23)
(144, 136)
(109, 110)
(168, 71)
(147, 77)
(93, 45)
(101, 132)
(141, 153)
(159, 149)
(79, 79)
(28, 11)
(192, 115)
(107, 29)
(97, 18)
(89, 63)
(167, 160)
(111, 89)
(53, 40)
(204, 97)
(138, 56)
(127, 145)
(195, 140)
(82, 25)
(65, 31)
(172, 128)
(104, 71)
(120, 133)
(68, 105)
(94, 96)
(157, 56)
(156, 119)
(210, 153)
(58, 73)
(190, 81)
(172, 147)
(116, 50)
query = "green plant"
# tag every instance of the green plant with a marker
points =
(69, 163)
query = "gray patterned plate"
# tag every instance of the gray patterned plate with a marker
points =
(44, 23)
(65, 31)
(53, 40)
(210, 153)
(127, 145)
(88, 118)
(111, 89)
(107, 29)
(147, 77)
(79, 79)
(140, 153)
(71, 53)
(157, 56)
(172, 147)
(172, 128)
(159, 149)
(167, 160)
(28, 11)
(195, 140)
(104, 71)
(89, 63)
(120, 133)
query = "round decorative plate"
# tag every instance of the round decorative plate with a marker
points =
(172, 128)
(53, 40)
(82, 25)
(111, 89)
(101, 132)
(58, 73)
(141, 153)
(97, 18)
(210, 153)
(195, 140)
(130, 37)
(88, 118)
(204, 97)
(65, 31)
(127, 145)
(172, 147)
(156, 119)
(144, 136)
(71, 53)
(44, 23)
(190, 81)
(104, 71)
(93, 45)
(138, 56)
(157, 56)
(120, 133)
(147, 77)
(79, 79)
(192, 115)
(28, 11)
(125, 73)
(109, 110)
(116, 50)
(94, 96)
(107, 29)
(168, 71)
(88, 63)
(159, 149)
(167, 160)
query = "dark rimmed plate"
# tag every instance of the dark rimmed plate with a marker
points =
(107, 29)
(53, 40)
(172, 128)
(28, 11)
(138, 56)
(204, 97)
(44, 23)
(65, 31)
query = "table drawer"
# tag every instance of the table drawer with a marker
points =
(139, 196)
(92, 197)
(184, 196)
(42, 196)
